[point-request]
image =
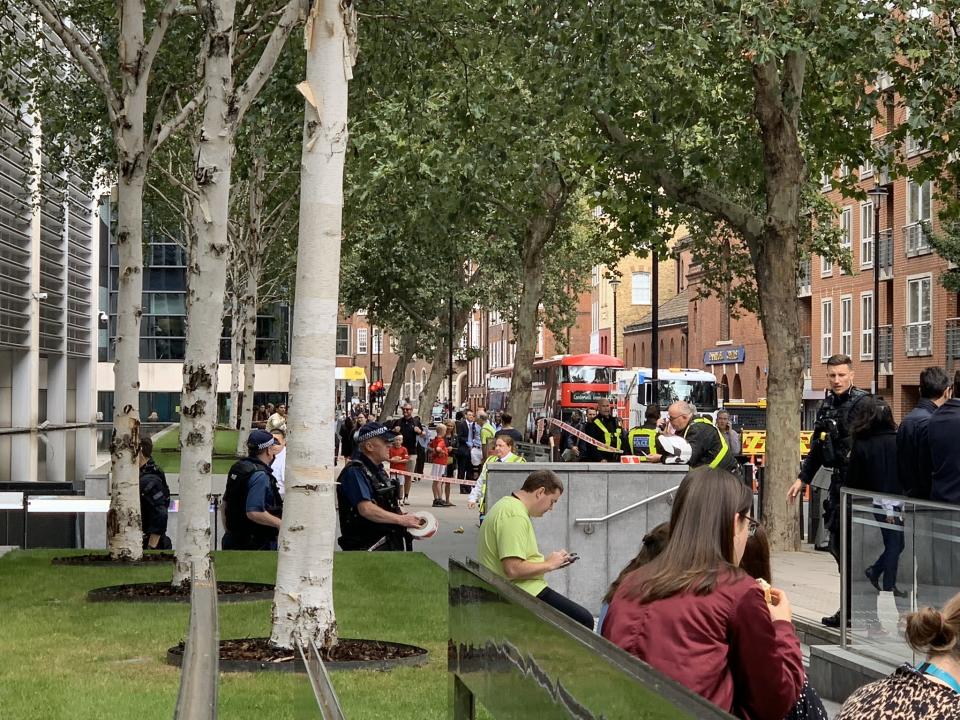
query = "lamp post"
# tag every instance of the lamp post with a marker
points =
(450, 353)
(615, 284)
(876, 193)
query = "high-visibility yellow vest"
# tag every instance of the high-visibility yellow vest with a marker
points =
(651, 441)
(511, 458)
(723, 441)
(609, 437)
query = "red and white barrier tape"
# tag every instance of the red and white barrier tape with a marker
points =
(583, 436)
(431, 478)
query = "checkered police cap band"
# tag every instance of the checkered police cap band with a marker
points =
(373, 432)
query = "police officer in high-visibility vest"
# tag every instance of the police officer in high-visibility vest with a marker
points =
(707, 444)
(643, 441)
(606, 429)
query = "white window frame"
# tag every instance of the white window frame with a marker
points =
(846, 231)
(919, 211)
(377, 338)
(826, 181)
(826, 329)
(846, 324)
(826, 267)
(539, 351)
(844, 170)
(867, 250)
(361, 341)
(866, 326)
(927, 279)
(866, 169)
(641, 289)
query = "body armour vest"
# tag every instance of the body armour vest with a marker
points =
(243, 530)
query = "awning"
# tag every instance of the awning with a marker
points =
(350, 374)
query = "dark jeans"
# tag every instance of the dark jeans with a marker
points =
(421, 459)
(567, 606)
(893, 545)
(832, 513)
(464, 470)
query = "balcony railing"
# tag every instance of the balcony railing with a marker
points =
(803, 278)
(918, 339)
(885, 349)
(915, 240)
(885, 254)
(807, 356)
(953, 344)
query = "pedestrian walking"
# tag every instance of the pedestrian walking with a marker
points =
(943, 430)
(913, 444)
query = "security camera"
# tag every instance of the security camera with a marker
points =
(103, 318)
(40, 296)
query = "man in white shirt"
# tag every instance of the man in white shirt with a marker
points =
(279, 464)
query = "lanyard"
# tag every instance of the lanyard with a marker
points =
(933, 671)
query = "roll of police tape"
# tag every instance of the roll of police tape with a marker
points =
(428, 526)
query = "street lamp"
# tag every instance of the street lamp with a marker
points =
(876, 193)
(615, 283)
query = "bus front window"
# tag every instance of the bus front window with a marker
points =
(587, 374)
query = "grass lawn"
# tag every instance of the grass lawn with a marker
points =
(63, 657)
(224, 443)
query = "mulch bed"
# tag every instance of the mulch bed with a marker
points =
(165, 592)
(256, 654)
(104, 560)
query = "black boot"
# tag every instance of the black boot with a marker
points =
(833, 621)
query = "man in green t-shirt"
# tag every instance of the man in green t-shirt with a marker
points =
(487, 431)
(508, 544)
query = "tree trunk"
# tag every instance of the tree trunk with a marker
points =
(236, 338)
(392, 398)
(248, 308)
(528, 321)
(439, 368)
(124, 524)
(206, 287)
(303, 600)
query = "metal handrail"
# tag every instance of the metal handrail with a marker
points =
(200, 670)
(323, 691)
(628, 508)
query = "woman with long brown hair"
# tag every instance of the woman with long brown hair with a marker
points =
(695, 616)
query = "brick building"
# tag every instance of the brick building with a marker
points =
(918, 318)
(672, 336)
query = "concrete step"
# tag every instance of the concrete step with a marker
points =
(836, 671)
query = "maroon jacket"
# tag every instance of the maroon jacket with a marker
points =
(722, 646)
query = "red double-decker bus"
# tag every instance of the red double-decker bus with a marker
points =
(561, 384)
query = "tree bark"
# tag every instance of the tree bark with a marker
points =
(439, 367)
(206, 287)
(303, 600)
(392, 398)
(249, 346)
(236, 338)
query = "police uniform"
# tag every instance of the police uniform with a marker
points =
(607, 431)
(363, 480)
(642, 441)
(830, 448)
(709, 447)
(154, 501)
(251, 487)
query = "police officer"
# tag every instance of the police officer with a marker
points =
(707, 444)
(830, 448)
(644, 440)
(154, 500)
(605, 428)
(368, 498)
(252, 505)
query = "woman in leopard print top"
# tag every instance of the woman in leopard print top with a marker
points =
(929, 692)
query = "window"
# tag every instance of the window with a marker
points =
(475, 334)
(826, 267)
(594, 317)
(540, 341)
(918, 331)
(918, 212)
(595, 275)
(846, 325)
(361, 341)
(844, 170)
(866, 326)
(377, 340)
(826, 329)
(826, 181)
(846, 230)
(866, 169)
(641, 290)
(866, 234)
(343, 339)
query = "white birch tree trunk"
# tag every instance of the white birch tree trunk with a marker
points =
(236, 338)
(303, 599)
(248, 309)
(206, 287)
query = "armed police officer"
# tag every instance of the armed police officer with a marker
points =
(368, 499)
(830, 448)
(252, 505)
(606, 429)
(154, 499)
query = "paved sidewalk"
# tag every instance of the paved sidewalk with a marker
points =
(811, 581)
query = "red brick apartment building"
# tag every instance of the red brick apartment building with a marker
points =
(918, 318)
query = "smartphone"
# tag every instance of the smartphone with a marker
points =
(571, 558)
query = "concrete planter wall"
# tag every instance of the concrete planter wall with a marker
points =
(593, 490)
